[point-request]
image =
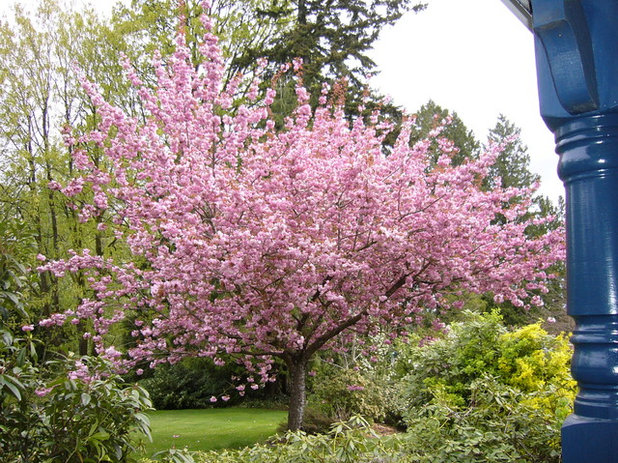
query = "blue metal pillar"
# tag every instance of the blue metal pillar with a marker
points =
(577, 63)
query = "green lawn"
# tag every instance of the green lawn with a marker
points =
(211, 428)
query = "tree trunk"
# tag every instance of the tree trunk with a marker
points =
(297, 367)
(302, 13)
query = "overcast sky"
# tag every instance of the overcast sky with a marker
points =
(472, 57)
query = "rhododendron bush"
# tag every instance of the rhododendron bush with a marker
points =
(261, 241)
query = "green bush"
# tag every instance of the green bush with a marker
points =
(355, 383)
(188, 384)
(495, 425)
(535, 362)
(314, 422)
(342, 393)
(464, 354)
(482, 393)
(52, 413)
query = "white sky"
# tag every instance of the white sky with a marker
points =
(472, 57)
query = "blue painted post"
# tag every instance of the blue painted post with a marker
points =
(577, 64)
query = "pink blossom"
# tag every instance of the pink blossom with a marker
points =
(42, 392)
(355, 387)
(438, 325)
(82, 373)
(53, 185)
(213, 399)
(27, 328)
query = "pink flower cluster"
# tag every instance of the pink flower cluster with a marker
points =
(355, 387)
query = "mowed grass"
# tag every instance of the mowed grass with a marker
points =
(211, 429)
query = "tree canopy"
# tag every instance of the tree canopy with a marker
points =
(261, 243)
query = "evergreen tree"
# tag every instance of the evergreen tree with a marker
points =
(431, 116)
(512, 167)
(332, 37)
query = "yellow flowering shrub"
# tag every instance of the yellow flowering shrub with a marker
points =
(533, 360)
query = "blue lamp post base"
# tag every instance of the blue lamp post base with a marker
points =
(586, 439)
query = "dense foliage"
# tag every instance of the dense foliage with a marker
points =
(180, 386)
(74, 410)
(193, 382)
(484, 393)
(342, 393)
(496, 425)
(527, 358)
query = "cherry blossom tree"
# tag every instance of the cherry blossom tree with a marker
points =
(256, 242)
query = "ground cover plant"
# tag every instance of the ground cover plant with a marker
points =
(213, 428)
(352, 441)
(255, 240)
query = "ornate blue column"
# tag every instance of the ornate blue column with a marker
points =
(577, 64)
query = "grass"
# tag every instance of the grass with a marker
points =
(211, 429)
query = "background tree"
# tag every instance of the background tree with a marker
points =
(261, 243)
(331, 37)
(512, 166)
(15, 280)
(431, 117)
(40, 97)
(150, 25)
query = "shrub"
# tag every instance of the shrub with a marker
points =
(482, 393)
(52, 413)
(315, 422)
(456, 359)
(343, 393)
(533, 361)
(188, 384)
(495, 425)
(191, 383)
